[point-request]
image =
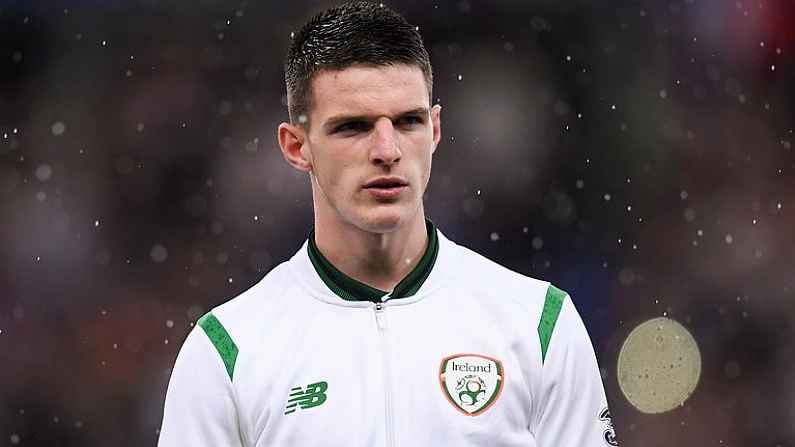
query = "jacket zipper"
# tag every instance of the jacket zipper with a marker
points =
(380, 319)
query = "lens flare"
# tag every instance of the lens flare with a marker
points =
(659, 366)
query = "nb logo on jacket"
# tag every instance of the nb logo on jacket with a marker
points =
(314, 395)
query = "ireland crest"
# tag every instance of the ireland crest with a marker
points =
(471, 382)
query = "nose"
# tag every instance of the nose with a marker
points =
(385, 149)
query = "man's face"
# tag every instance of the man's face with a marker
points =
(368, 146)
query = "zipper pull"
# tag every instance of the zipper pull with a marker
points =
(379, 316)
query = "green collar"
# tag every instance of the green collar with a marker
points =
(350, 289)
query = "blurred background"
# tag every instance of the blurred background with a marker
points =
(639, 154)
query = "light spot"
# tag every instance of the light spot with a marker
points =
(473, 206)
(158, 253)
(43, 172)
(659, 366)
(58, 128)
(626, 276)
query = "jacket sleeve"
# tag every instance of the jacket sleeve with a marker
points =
(573, 408)
(200, 408)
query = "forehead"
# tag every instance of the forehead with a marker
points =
(366, 90)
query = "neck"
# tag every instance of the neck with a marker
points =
(380, 260)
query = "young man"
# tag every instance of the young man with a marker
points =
(380, 331)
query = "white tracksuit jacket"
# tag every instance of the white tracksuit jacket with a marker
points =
(477, 356)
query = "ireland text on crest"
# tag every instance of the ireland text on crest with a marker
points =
(471, 382)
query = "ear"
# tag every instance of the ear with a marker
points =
(292, 139)
(436, 121)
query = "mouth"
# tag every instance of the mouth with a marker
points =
(386, 188)
(385, 183)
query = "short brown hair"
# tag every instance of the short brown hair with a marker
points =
(351, 34)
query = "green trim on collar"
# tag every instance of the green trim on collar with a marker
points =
(350, 289)
(341, 284)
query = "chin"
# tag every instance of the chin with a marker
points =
(387, 223)
(384, 226)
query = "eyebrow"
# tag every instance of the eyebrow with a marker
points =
(344, 118)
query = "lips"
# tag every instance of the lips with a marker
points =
(385, 183)
(386, 187)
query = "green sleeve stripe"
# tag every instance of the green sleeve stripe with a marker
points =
(221, 340)
(549, 317)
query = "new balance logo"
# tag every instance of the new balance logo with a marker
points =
(312, 396)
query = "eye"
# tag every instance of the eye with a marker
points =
(410, 121)
(351, 126)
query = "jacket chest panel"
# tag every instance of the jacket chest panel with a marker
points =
(369, 375)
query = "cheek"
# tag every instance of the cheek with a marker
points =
(424, 167)
(428, 171)
(329, 170)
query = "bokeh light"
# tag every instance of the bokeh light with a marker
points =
(659, 365)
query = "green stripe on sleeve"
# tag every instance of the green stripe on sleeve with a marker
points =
(221, 340)
(549, 317)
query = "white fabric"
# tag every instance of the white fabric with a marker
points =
(382, 366)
